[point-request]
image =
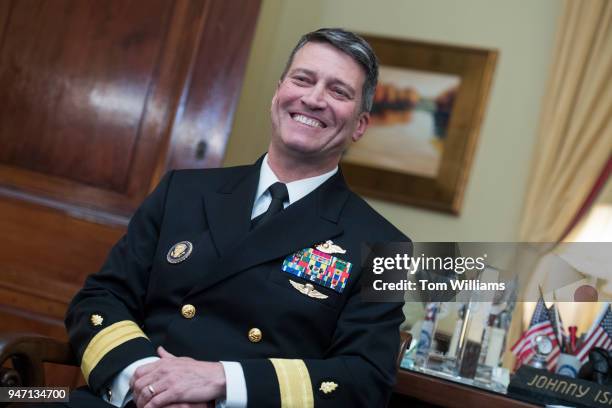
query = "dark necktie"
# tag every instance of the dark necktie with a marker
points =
(279, 194)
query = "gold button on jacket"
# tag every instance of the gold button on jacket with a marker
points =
(188, 311)
(254, 335)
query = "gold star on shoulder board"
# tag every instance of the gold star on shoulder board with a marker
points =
(96, 320)
(308, 290)
(328, 386)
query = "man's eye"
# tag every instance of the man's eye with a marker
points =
(340, 92)
(301, 79)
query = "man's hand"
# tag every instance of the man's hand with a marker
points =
(180, 381)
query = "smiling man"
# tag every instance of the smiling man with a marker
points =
(240, 286)
(317, 110)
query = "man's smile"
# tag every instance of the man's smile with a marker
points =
(307, 120)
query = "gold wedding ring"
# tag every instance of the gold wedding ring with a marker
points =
(151, 389)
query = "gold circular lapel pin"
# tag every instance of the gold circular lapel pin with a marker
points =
(179, 252)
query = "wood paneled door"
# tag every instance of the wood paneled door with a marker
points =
(98, 99)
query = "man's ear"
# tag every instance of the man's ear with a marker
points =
(362, 126)
(278, 84)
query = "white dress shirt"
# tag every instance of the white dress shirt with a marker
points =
(235, 388)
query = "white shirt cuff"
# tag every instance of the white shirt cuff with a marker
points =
(235, 386)
(120, 393)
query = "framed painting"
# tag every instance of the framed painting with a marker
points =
(424, 124)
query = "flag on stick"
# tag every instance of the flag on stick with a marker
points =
(540, 325)
(557, 324)
(599, 335)
(555, 318)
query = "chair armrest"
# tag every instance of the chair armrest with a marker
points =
(28, 352)
(405, 339)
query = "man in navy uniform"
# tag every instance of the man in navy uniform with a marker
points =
(240, 286)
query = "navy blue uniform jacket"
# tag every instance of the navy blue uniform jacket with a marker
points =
(338, 351)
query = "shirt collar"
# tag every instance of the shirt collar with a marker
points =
(297, 189)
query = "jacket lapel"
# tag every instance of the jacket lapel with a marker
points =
(309, 221)
(228, 211)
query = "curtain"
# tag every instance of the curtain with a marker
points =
(575, 132)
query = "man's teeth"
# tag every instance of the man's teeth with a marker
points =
(307, 121)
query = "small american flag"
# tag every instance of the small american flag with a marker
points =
(600, 335)
(540, 325)
(557, 323)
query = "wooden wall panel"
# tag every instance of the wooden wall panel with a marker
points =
(74, 79)
(45, 256)
(42, 243)
(99, 99)
(93, 94)
(199, 136)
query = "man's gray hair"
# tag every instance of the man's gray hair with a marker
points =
(352, 45)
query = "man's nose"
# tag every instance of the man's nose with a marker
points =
(314, 98)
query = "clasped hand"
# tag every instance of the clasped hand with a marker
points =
(178, 382)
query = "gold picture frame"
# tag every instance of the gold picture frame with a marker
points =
(425, 122)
